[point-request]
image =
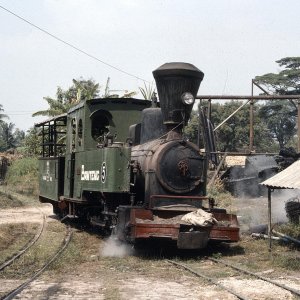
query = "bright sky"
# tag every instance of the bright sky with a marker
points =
(231, 41)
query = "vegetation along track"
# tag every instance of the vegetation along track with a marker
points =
(214, 279)
(22, 286)
(27, 246)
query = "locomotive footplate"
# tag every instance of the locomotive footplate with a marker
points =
(140, 224)
(186, 237)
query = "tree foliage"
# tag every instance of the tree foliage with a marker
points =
(2, 115)
(280, 115)
(32, 143)
(10, 138)
(148, 91)
(65, 99)
(287, 81)
(233, 135)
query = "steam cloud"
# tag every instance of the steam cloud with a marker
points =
(114, 248)
(254, 211)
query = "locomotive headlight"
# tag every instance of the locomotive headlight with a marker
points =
(187, 98)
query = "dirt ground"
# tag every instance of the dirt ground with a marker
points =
(106, 271)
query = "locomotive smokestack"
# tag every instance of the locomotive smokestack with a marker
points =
(177, 86)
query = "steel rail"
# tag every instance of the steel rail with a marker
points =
(294, 291)
(26, 246)
(183, 266)
(21, 287)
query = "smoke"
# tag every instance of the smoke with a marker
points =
(254, 211)
(115, 248)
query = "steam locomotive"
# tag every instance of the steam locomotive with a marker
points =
(123, 165)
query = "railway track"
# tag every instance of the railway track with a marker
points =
(26, 247)
(21, 287)
(200, 272)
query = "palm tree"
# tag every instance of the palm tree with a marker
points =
(56, 107)
(107, 92)
(86, 89)
(7, 135)
(80, 90)
(147, 91)
(2, 116)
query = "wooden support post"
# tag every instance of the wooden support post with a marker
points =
(199, 126)
(298, 130)
(269, 219)
(213, 179)
(209, 109)
(251, 137)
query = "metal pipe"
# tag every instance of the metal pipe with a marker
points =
(212, 181)
(251, 121)
(236, 97)
(209, 109)
(243, 154)
(231, 115)
(256, 84)
(199, 126)
(291, 239)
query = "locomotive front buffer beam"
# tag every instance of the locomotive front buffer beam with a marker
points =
(138, 224)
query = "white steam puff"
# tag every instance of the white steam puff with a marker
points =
(254, 211)
(114, 248)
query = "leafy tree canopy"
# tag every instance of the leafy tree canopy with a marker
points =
(65, 99)
(280, 115)
(81, 89)
(280, 118)
(10, 138)
(2, 115)
(32, 143)
(285, 82)
(233, 135)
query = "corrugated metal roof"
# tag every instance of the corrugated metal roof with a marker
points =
(289, 178)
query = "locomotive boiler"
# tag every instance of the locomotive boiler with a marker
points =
(126, 167)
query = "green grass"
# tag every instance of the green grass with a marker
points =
(22, 176)
(223, 198)
(13, 237)
(287, 260)
(7, 200)
(11, 199)
(37, 255)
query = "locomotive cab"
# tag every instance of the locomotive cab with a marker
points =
(91, 167)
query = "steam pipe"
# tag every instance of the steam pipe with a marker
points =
(235, 97)
(231, 115)
(291, 239)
